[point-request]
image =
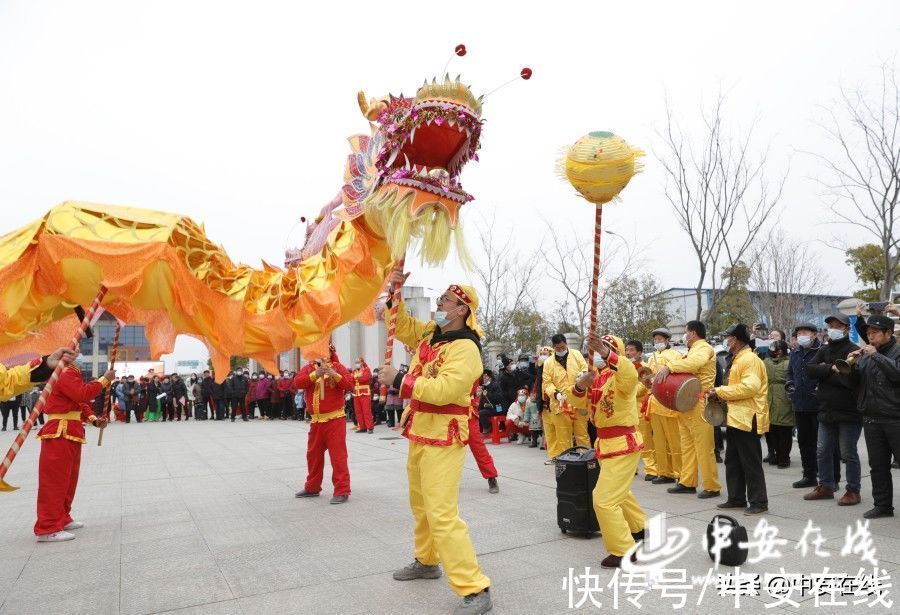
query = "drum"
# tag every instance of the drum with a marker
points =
(715, 413)
(678, 392)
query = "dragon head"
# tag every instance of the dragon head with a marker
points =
(405, 177)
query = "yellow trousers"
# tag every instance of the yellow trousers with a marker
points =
(697, 450)
(559, 429)
(648, 455)
(667, 444)
(618, 512)
(440, 535)
(581, 431)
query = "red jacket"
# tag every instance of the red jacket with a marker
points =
(362, 378)
(324, 402)
(70, 395)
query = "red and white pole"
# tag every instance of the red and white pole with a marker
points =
(39, 405)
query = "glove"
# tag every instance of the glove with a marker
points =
(560, 397)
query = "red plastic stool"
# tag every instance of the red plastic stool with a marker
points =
(498, 432)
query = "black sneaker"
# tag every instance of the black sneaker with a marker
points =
(878, 513)
(679, 488)
(706, 494)
(649, 477)
(756, 510)
(662, 480)
(306, 494)
(493, 487)
(638, 536)
(805, 483)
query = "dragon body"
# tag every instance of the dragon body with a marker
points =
(401, 188)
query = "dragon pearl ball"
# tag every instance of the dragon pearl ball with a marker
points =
(600, 164)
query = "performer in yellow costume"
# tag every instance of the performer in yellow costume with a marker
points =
(609, 396)
(697, 438)
(443, 374)
(560, 372)
(634, 351)
(664, 422)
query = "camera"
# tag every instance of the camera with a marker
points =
(877, 307)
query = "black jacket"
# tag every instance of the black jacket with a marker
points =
(836, 393)
(239, 385)
(206, 387)
(800, 385)
(491, 397)
(878, 376)
(218, 390)
(179, 389)
(509, 383)
(228, 388)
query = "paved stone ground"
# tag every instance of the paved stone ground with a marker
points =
(201, 518)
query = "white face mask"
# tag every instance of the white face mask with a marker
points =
(522, 399)
(599, 362)
(523, 364)
(763, 343)
(541, 359)
(659, 345)
(804, 340)
(561, 354)
(835, 334)
(358, 365)
(441, 319)
(684, 338)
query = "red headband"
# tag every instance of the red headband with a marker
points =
(460, 293)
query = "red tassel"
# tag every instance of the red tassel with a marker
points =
(526, 73)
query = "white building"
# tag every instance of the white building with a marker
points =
(681, 306)
(353, 339)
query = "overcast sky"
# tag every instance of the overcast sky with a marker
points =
(236, 113)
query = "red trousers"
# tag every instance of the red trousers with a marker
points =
(331, 436)
(479, 450)
(58, 468)
(362, 406)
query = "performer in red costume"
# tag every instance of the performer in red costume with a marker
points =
(362, 397)
(324, 383)
(67, 409)
(476, 444)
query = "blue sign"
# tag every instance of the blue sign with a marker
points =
(854, 335)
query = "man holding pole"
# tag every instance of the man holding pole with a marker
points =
(440, 382)
(67, 408)
(22, 377)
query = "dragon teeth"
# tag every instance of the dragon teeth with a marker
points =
(412, 134)
(393, 157)
(407, 161)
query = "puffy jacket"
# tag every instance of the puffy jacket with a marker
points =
(491, 397)
(780, 410)
(878, 375)
(800, 385)
(240, 383)
(262, 388)
(836, 393)
(228, 388)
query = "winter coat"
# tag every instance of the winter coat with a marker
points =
(836, 393)
(800, 385)
(878, 378)
(780, 410)
(491, 397)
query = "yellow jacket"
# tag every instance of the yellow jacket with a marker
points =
(701, 362)
(440, 382)
(561, 379)
(657, 361)
(612, 404)
(17, 379)
(747, 392)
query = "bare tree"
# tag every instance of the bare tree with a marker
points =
(503, 278)
(719, 193)
(785, 272)
(865, 177)
(569, 263)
